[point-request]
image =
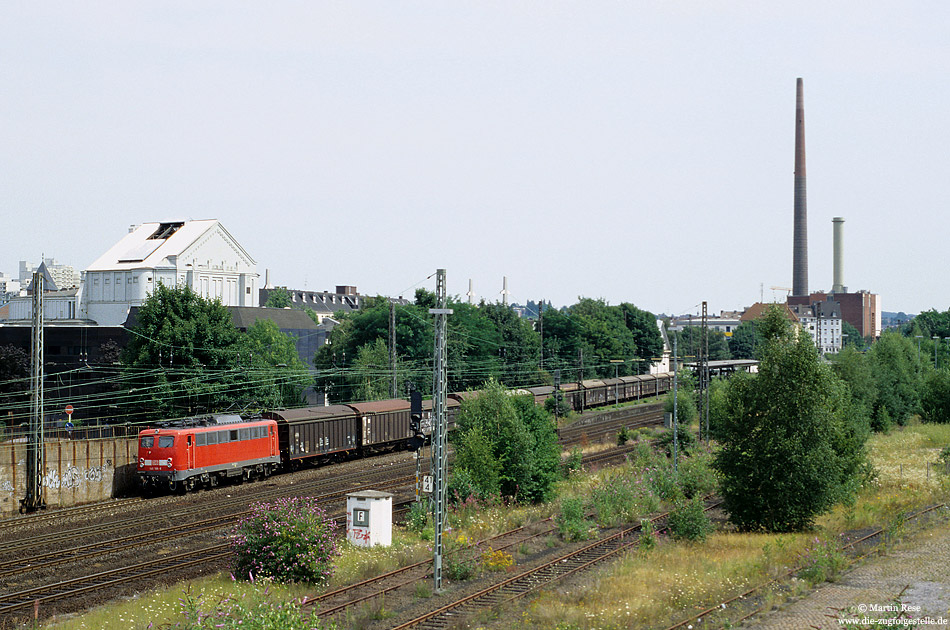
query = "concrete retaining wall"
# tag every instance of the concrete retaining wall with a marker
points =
(77, 471)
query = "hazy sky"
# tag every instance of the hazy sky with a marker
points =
(632, 151)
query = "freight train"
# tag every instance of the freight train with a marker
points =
(183, 455)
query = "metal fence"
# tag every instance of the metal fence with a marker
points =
(21, 433)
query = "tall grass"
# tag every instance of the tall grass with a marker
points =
(650, 588)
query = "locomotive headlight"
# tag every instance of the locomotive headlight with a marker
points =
(168, 462)
(142, 462)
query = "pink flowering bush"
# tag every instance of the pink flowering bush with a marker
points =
(288, 540)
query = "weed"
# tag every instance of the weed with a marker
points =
(822, 561)
(696, 476)
(418, 517)
(423, 590)
(647, 540)
(496, 560)
(574, 461)
(689, 521)
(571, 522)
(895, 529)
(459, 567)
(623, 436)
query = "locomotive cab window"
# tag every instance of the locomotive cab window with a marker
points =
(148, 441)
(189, 440)
(166, 441)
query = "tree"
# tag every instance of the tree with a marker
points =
(414, 343)
(186, 348)
(275, 373)
(602, 332)
(278, 297)
(792, 442)
(774, 325)
(646, 334)
(516, 450)
(14, 381)
(518, 342)
(935, 397)
(686, 409)
(371, 374)
(742, 343)
(854, 369)
(14, 369)
(853, 337)
(718, 344)
(896, 370)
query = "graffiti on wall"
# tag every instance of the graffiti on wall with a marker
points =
(73, 477)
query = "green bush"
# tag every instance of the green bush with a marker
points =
(935, 398)
(791, 440)
(647, 541)
(459, 567)
(624, 435)
(696, 476)
(418, 517)
(574, 461)
(944, 457)
(572, 522)
(621, 499)
(289, 540)
(563, 409)
(824, 560)
(463, 486)
(508, 444)
(685, 444)
(688, 521)
(663, 482)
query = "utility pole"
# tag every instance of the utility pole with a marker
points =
(580, 379)
(541, 330)
(392, 345)
(675, 421)
(439, 425)
(35, 465)
(703, 365)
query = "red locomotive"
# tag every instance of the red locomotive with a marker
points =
(202, 452)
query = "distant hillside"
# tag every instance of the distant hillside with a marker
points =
(889, 319)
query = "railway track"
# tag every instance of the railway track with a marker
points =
(334, 603)
(853, 545)
(41, 553)
(533, 579)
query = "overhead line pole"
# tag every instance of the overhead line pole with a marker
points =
(35, 496)
(392, 345)
(439, 428)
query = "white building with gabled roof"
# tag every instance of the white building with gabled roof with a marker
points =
(199, 254)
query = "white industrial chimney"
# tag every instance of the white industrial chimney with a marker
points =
(837, 285)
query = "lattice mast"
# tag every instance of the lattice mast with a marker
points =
(35, 494)
(439, 428)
